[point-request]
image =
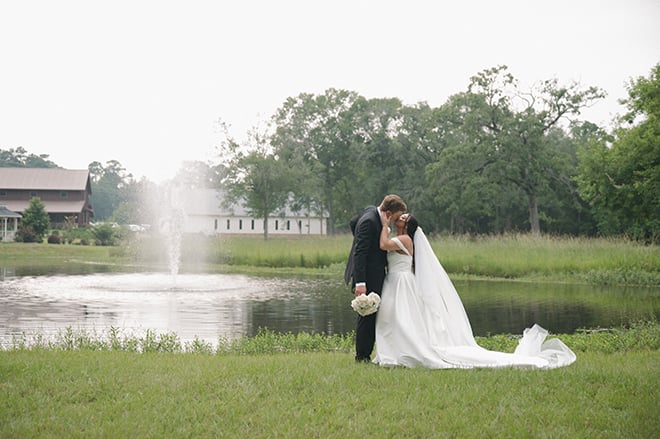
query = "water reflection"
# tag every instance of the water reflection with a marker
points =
(509, 307)
(192, 305)
(210, 306)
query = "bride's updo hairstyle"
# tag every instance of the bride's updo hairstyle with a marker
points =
(411, 226)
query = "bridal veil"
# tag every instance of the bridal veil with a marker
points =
(449, 330)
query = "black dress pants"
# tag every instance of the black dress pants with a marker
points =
(365, 337)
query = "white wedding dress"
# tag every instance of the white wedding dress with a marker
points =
(422, 322)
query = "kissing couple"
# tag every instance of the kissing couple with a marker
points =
(421, 321)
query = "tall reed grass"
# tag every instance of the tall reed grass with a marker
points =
(600, 261)
(591, 260)
(637, 336)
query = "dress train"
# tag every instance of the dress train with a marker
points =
(422, 322)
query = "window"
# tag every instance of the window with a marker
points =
(277, 224)
(33, 194)
(288, 225)
(252, 224)
(240, 224)
(3, 194)
(228, 224)
(215, 224)
(63, 194)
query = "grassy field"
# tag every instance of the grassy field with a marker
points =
(544, 258)
(308, 386)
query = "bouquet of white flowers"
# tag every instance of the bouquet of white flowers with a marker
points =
(366, 304)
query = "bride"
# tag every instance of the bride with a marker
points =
(422, 323)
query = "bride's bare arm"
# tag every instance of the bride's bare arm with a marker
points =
(386, 243)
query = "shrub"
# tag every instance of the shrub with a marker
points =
(35, 218)
(55, 238)
(26, 233)
(104, 234)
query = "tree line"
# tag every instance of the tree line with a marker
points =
(494, 158)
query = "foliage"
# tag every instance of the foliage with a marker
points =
(139, 203)
(315, 134)
(258, 179)
(195, 174)
(20, 158)
(55, 238)
(109, 187)
(78, 235)
(105, 234)
(495, 158)
(35, 222)
(621, 180)
(638, 336)
(26, 234)
(505, 151)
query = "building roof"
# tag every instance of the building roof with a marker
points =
(202, 202)
(6, 213)
(44, 179)
(49, 206)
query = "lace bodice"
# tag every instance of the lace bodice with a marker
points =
(397, 262)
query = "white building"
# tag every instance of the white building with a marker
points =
(203, 212)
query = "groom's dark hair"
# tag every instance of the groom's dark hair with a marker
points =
(393, 203)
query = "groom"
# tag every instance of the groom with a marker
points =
(366, 265)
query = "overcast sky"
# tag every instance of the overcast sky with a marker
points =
(143, 82)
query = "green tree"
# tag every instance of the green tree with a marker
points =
(420, 139)
(20, 158)
(195, 174)
(523, 151)
(621, 180)
(109, 187)
(316, 133)
(564, 211)
(505, 135)
(35, 222)
(306, 186)
(257, 178)
(138, 203)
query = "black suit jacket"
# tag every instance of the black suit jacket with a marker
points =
(366, 262)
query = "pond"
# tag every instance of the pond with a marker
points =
(210, 306)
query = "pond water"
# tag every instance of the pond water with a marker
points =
(210, 306)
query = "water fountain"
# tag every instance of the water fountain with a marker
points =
(194, 305)
(173, 221)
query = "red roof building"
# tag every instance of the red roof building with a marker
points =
(64, 192)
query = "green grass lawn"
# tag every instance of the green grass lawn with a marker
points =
(284, 385)
(120, 394)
